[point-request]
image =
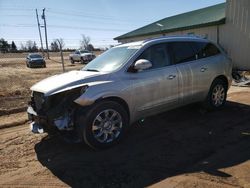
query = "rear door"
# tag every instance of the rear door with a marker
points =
(205, 68)
(196, 64)
(184, 58)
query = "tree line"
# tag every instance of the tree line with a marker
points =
(31, 46)
(6, 47)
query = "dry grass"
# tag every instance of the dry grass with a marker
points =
(16, 78)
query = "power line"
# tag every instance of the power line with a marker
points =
(64, 27)
(100, 17)
(73, 13)
(16, 15)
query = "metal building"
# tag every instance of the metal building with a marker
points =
(227, 24)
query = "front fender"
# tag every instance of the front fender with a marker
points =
(102, 89)
(87, 99)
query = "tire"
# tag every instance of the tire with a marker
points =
(72, 61)
(217, 95)
(104, 124)
(44, 66)
(82, 61)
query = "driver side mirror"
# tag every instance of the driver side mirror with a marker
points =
(142, 64)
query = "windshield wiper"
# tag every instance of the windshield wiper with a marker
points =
(94, 70)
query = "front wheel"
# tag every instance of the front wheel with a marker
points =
(104, 124)
(217, 95)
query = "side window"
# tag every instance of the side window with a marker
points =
(157, 55)
(204, 49)
(182, 52)
(199, 47)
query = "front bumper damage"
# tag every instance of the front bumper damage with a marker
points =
(54, 114)
(35, 127)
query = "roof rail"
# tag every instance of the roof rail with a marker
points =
(175, 36)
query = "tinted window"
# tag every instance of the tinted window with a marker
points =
(182, 52)
(204, 49)
(157, 55)
(211, 50)
(35, 56)
(84, 51)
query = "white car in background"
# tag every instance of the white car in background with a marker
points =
(83, 56)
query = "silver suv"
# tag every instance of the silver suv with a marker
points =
(129, 82)
(83, 56)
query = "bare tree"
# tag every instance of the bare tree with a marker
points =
(34, 47)
(84, 43)
(61, 42)
(29, 45)
(23, 47)
(55, 46)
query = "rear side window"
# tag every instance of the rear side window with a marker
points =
(204, 49)
(182, 52)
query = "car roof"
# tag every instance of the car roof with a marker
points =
(165, 39)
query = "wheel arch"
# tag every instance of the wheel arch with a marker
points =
(222, 78)
(118, 100)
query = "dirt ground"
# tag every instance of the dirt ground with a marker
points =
(186, 147)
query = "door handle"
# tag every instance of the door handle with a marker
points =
(171, 77)
(203, 69)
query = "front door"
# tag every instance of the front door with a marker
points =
(155, 89)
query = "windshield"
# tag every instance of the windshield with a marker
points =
(111, 60)
(84, 51)
(35, 56)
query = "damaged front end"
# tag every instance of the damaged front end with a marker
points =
(55, 113)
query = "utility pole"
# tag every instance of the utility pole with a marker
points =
(45, 28)
(38, 24)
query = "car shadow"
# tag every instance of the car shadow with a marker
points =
(180, 141)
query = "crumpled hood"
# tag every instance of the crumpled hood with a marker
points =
(58, 82)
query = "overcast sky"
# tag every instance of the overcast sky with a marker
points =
(101, 20)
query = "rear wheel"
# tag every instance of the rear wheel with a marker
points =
(72, 61)
(82, 61)
(104, 124)
(217, 95)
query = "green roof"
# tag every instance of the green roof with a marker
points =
(209, 16)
